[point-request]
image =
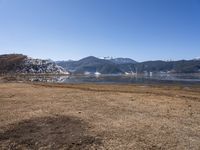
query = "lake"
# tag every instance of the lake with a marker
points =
(126, 79)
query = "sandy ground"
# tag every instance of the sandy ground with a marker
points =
(88, 116)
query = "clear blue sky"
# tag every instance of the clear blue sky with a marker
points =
(72, 29)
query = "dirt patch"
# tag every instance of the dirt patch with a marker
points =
(59, 132)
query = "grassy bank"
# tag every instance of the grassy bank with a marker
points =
(89, 116)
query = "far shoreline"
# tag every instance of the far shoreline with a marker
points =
(26, 78)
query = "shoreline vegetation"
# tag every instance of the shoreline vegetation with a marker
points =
(99, 116)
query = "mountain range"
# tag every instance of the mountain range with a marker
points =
(18, 63)
(126, 65)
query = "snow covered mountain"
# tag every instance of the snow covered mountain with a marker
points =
(41, 66)
(17, 63)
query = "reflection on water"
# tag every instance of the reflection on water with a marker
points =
(155, 78)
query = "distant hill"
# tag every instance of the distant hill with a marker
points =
(123, 61)
(18, 63)
(91, 64)
(182, 66)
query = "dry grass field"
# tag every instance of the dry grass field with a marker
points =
(89, 116)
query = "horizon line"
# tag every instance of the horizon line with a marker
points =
(100, 57)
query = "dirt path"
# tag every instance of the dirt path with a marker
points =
(88, 116)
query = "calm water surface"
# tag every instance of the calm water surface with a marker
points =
(126, 79)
